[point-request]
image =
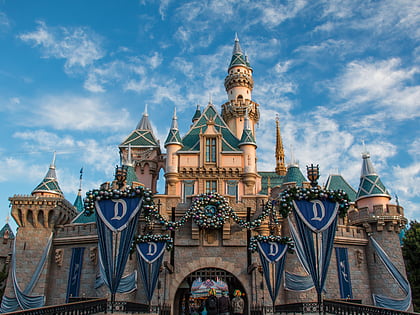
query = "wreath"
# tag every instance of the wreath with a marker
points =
(271, 238)
(285, 202)
(210, 211)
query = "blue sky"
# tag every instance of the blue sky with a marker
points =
(75, 77)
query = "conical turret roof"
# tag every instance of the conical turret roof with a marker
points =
(294, 175)
(238, 58)
(247, 136)
(370, 183)
(174, 137)
(50, 183)
(197, 114)
(143, 135)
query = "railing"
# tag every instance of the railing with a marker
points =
(335, 307)
(344, 308)
(76, 308)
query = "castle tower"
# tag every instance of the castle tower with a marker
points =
(382, 221)
(249, 147)
(280, 163)
(173, 143)
(145, 153)
(197, 114)
(239, 84)
(37, 216)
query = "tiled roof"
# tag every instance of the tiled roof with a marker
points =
(5, 228)
(275, 180)
(141, 138)
(294, 175)
(191, 141)
(49, 184)
(82, 218)
(78, 203)
(336, 182)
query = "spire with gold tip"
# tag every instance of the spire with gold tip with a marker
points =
(49, 185)
(280, 164)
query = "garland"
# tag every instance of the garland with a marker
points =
(128, 192)
(285, 202)
(253, 244)
(154, 238)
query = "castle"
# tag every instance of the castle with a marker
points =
(217, 154)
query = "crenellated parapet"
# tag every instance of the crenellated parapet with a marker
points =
(239, 79)
(390, 217)
(41, 212)
(238, 108)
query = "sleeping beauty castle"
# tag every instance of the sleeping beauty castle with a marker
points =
(223, 224)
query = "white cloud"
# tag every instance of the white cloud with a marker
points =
(79, 46)
(384, 85)
(63, 112)
(47, 141)
(4, 22)
(16, 168)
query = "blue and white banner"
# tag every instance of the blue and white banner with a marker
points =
(272, 256)
(316, 214)
(76, 263)
(343, 272)
(316, 223)
(150, 257)
(117, 223)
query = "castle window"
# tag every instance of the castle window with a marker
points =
(211, 150)
(188, 189)
(232, 188)
(211, 186)
(240, 98)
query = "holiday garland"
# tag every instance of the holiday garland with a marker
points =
(271, 238)
(154, 238)
(285, 202)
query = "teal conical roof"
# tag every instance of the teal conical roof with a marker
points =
(247, 136)
(238, 58)
(50, 183)
(78, 202)
(197, 114)
(174, 136)
(370, 183)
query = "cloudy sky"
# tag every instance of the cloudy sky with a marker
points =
(75, 77)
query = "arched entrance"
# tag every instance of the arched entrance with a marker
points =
(183, 296)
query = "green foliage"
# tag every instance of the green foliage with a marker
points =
(411, 254)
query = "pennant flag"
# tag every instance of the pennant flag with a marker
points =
(150, 257)
(73, 284)
(343, 272)
(272, 256)
(116, 222)
(316, 223)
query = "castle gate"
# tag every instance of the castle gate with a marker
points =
(184, 299)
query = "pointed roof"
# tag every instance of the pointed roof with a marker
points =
(294, 175)
(280, 165)
(336, 182)
(50, 183)
(78, 202)
(9, 230)
(370, 183)
(143, 135)
(191, 141)
(197, 113)
(247, 136)
(238, 58)
(173, 136)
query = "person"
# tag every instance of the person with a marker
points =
(211, 303)
(224, 304)
(238, 303)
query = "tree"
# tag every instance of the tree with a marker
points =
(411, 254)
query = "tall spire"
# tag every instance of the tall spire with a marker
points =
(49, 185)
(78, 203)
(280, 165)
(370, 183)
(238, 58)
(197, 114)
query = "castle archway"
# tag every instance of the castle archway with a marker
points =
(184, 298)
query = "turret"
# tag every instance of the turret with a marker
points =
(145, 153)
(197, 114)
(78, 203)
(173, 143)
(382, 221)
(239, 84)
(249, 146)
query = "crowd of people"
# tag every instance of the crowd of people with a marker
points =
(213, 305)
